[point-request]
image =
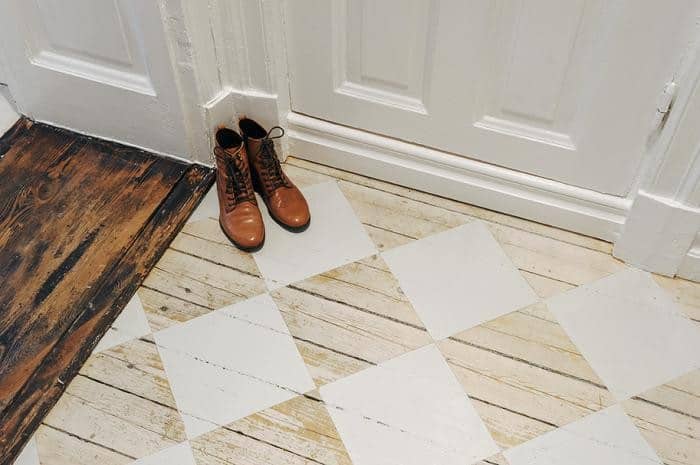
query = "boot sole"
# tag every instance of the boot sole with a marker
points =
(255, 248)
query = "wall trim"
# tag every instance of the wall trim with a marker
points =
(658, 233)
(231, 104)
(501, 189)
(690, 266)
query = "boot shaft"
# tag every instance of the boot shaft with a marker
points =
(233, 175)
(265, 165)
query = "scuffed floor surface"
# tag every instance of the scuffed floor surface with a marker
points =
(400, 328)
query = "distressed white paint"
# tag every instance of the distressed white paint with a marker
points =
(230, 363)
(238, 61)
(180, 454)
(607, 437)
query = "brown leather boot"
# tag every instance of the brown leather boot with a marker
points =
(239, 215)
(284, 200)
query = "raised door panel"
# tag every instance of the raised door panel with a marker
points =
(526, 83)
(66, 26)
(380, 61)
(92, 39)
(98, 66)
(540, 86)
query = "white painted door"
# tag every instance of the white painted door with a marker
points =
(98, 66)
(565, 90)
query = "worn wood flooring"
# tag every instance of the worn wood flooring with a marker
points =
(82, 222)
(199, 328)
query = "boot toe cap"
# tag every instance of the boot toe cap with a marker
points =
(289, 207)
(244, 227)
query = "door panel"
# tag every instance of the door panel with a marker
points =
(563, 90)
(363, 70)
(99, 66)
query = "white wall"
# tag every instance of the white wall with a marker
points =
(8, 115)
(235, 58)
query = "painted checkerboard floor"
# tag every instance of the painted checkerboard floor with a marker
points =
(400, 328)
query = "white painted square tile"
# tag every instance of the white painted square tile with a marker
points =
(230, 363)
(179, 454)
(630, 331)
(408, 410)
(131, 323)
(335, 237)
(607, 437)
(458, 279)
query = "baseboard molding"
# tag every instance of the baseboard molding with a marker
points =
(231, 104)
(501, 189)
(690, 266)
(658, 234)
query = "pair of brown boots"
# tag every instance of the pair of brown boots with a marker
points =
(246, 163)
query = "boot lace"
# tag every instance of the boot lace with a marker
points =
(239, 187)
(273, 175)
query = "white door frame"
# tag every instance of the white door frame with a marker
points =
(664, 220)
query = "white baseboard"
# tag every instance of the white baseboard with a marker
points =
(501, 189)
(658, 234)
(231, 104)
(690, 266)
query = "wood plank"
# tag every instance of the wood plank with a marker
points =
(131, 425)
(394, 216)
(668, 417)
(685, 293)
(85, 232)
(63, 234)
(298, 431)
(67, 449)
(349, 318)
(524, 375)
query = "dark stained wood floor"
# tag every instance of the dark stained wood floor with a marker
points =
(82, 221)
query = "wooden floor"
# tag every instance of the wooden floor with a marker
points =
(209, 322)
(82, 222)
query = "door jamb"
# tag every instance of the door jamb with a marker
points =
(665, 216)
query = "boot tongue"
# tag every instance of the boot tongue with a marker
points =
(255, 146)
